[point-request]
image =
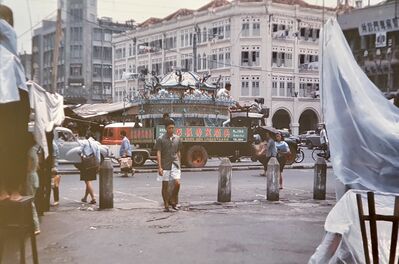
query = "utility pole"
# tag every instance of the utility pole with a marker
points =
(58, 33)
(196, 29)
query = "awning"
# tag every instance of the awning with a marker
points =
(93, 110)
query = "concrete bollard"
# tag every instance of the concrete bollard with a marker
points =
(273, 176)
(106, 184)
(320, 175)
(224, 184)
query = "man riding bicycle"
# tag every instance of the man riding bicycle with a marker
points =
(324, 143)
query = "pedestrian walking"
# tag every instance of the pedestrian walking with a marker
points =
(90, 165)
(169, 148)
(125, 154)
(271, 151)
(32, 180)
(283, 151)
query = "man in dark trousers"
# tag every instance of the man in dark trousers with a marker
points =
(169, 148)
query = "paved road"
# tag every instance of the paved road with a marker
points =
(196, 186)
(248, 230)
(212, 164)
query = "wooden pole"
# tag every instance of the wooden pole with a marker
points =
(57, 41)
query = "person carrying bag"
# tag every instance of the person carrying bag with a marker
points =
(91, 159)
(125, 153)
(90, 162)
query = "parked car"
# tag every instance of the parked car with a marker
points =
(302, 137)
(69, 146)
(313, 141)
(287, 136)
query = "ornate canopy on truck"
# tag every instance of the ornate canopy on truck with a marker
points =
(184, 80)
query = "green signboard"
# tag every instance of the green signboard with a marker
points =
(208, 134)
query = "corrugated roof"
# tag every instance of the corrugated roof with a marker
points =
(92, 110)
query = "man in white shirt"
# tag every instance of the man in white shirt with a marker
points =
(224, 92)
(324, 142)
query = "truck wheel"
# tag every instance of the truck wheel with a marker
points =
(138, 159)
(196, 157)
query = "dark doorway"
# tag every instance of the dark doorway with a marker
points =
(281, 119)
(308, 121)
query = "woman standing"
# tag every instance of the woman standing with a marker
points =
(282, 152)
(270, 151)
(88, 170)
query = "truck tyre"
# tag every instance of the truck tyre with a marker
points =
(196, 156)
(138, 159)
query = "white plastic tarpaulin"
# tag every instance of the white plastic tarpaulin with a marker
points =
(362, 125)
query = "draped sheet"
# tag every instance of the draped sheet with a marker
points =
(49, 112)
(12, 75)
(362, 125)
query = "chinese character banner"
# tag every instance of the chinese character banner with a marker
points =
(208, 134)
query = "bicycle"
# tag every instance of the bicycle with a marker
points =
(300, 155)
(319, 152)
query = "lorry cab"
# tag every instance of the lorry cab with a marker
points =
(112, 135)
(112, 132)
(135, 133)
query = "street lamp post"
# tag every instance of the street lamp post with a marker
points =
(390, 55)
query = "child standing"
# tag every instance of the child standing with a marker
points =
(32, 183)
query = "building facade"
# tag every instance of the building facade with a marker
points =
(372, 33)
(266, 49)
(26, 61)
(85, 53)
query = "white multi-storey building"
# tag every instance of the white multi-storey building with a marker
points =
(264, 48)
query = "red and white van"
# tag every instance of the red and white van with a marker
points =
(112, 138)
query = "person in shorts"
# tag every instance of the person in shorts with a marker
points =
(169, 148)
